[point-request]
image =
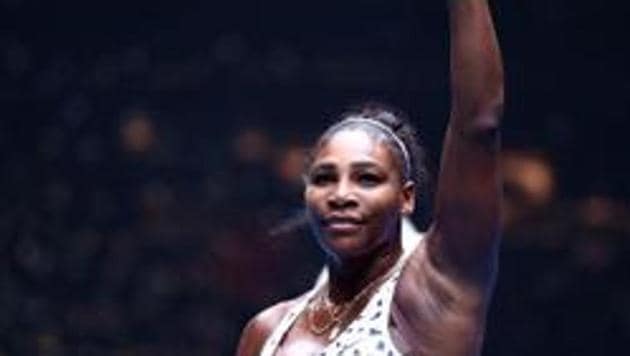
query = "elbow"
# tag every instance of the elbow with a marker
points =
(485, 119)
(495, 104)
(481, 112)
(489, 111)
(484, 129)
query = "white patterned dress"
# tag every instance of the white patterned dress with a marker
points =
(368, 334)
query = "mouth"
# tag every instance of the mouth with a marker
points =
(343, 224)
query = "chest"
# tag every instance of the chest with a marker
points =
(300, 340)
(370, 333)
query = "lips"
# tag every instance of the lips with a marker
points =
(343, 224)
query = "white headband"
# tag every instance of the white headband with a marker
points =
(379, 125)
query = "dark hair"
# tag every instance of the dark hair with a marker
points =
(398, 123)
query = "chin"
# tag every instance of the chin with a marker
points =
(343, 246)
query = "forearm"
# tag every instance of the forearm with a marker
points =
(476, 66)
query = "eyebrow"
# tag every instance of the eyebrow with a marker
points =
(354, 165)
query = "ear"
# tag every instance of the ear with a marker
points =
(408, 198)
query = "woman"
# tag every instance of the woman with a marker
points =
(380, 298)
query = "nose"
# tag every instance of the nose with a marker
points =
(342, 196)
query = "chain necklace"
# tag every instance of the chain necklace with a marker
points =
(323, 315)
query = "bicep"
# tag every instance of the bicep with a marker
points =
(251, 340)
(465, 231)
(259, 328)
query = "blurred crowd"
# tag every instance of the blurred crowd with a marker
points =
(151, 189)
(121, 245)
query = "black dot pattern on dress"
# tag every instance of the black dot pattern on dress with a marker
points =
(374, 331)
(367, 333)
(376, 316)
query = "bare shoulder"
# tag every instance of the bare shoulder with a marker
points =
(260, 327)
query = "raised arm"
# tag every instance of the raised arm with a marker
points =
(464, 237)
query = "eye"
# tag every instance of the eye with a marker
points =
(369, 179)
(322, 178)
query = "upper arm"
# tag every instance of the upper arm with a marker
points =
(252, 338)
(259, 328)
(448, 279)
(464, 237)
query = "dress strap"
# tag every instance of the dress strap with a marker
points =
(271, 345)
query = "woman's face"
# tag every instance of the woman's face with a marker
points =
(354, 194)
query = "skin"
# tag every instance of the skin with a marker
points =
(442, 296)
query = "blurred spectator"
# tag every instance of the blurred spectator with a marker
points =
(133, 222)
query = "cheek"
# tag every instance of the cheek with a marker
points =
(385, 216)
(383, 203)
(313, 199)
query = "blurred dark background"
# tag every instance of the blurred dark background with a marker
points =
(151, 155)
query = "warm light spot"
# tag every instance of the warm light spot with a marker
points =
(531, 175)
(529, 184)
(138, 133)
(291, 164)
(598, 211)
(252, 145)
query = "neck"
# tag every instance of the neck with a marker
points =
(350, 276)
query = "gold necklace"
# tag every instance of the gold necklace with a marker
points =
(324, 315)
